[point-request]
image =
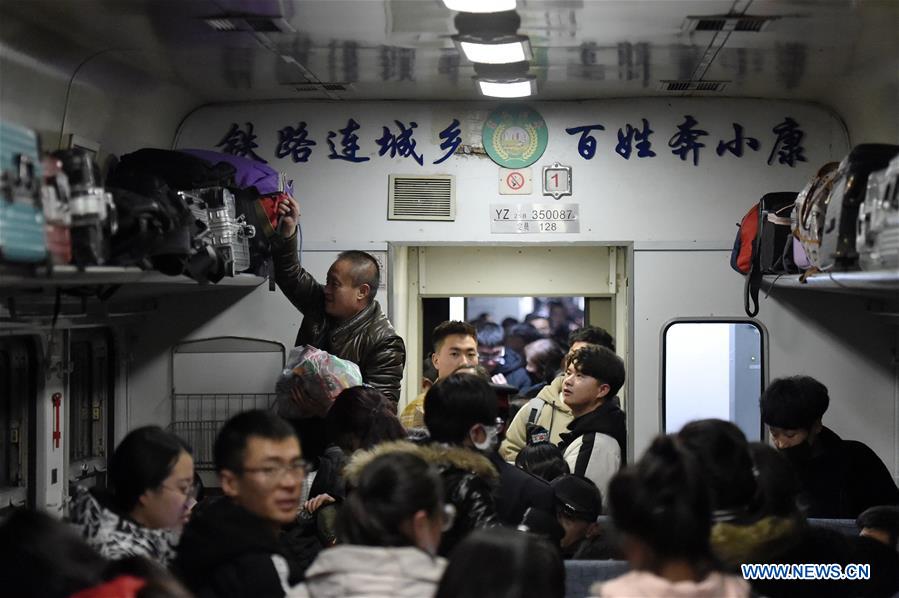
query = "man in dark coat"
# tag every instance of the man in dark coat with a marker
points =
(341, 316)
(838, 478)
(461, 416)
(232, 547)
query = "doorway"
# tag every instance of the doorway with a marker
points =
(428, 280)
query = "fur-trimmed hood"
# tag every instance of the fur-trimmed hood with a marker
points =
(442, 456)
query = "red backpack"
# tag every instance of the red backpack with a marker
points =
(759, 245)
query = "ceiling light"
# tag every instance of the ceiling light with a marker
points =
(480, 5)
(518, 88)
(502, 50)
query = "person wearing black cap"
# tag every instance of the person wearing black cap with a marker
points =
(838, 478)
(880, 523)
(578, 507)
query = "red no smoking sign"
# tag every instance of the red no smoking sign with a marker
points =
(515, 182)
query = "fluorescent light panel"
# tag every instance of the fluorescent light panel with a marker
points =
(507, 89)
(502, 53)
(480, 5)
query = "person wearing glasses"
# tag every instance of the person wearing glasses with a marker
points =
(504, 367)
(389, 531)
(233, 546)
(151, 494)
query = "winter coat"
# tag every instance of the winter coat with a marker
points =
(784, 540)
(842, 478)
(468, 481)
(367, 339)
(642, 584)
(519, 491)
(596, 444)
(553, 415)
(228, 551)
(116, 536)
(514, 371)
(349, 571)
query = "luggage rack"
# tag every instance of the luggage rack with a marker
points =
(871, 282)
(216, 378)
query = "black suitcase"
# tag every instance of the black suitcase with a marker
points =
(848, 192)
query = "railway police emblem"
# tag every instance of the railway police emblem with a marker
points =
(515, 136)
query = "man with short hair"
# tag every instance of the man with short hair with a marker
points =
(461, 416)
(455, 345)
(231, 547)
(341, 316)
(596, 444)
(547, 412)
(504, 367)
(838, 478)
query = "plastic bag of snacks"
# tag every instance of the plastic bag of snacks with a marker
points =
(311, 381)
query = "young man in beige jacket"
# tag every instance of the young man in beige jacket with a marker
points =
(547, 410)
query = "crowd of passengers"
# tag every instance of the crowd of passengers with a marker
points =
(482, 486)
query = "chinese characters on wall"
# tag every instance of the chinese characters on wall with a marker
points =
(688, 141)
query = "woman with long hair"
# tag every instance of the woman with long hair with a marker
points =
(661, 509)
(151, 483)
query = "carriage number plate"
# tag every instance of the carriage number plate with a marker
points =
(534, 218)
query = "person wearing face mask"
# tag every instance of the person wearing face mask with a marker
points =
(389, 531)
(151, 478)
(838, 478)
(518, 490)
(461, 416)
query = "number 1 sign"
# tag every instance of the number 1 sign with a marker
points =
(557, 180)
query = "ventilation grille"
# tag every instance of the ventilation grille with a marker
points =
(412, 197)
(315, 87)
(252, 23)
(691, 85)
(727, 23)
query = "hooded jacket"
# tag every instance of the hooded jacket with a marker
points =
(115, 536)
(553, 415)
(367, 339)
(350, 571)
(642, 584)
(596, 444)
(468, 482)
(226, 551)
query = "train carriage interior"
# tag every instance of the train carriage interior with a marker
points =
(596, 174)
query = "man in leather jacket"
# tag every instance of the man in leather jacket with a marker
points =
(341, 316)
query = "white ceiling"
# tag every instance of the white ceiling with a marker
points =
(400, 49)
